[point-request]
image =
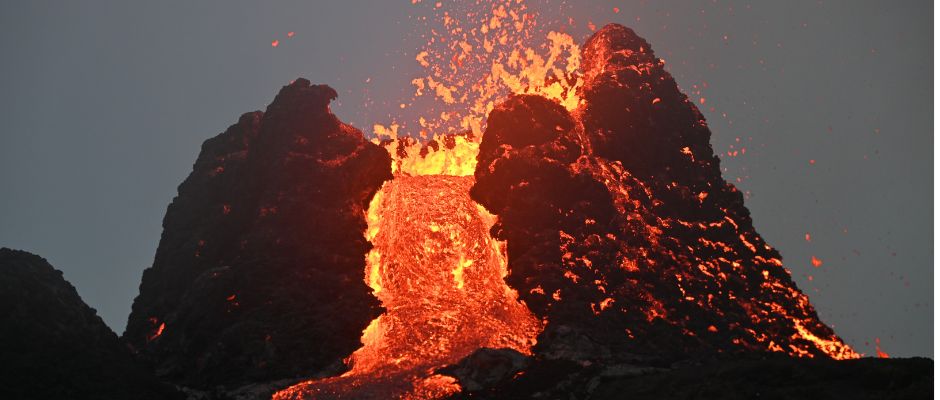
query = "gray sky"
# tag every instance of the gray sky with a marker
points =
(105, 104)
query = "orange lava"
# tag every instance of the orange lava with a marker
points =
(158, 331)
(816, 262)
(477, 56)
(439, 274)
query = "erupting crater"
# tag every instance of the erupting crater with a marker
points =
(610, 221)
(571, 212)
(439, 274)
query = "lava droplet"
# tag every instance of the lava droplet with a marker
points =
(816, 262)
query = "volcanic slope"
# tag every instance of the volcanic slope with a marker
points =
(621, 232)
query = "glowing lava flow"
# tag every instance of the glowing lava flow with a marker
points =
(440, 276)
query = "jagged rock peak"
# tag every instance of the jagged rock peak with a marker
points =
(258, 274)
(53, 345)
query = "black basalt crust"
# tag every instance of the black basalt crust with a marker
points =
(258, 275)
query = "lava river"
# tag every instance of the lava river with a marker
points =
(439, 274)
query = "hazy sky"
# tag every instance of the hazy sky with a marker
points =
(105, 104)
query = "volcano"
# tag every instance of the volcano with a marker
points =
(581, 243)
(594, 231)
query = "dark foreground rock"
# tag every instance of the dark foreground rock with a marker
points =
(487, 368)
(770, 377)
(53, 346)
(259, 272)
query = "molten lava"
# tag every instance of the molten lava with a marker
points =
(439, 275)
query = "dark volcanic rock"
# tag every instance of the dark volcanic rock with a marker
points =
(772, 377)
(620, 230)
(259, 272)
(780, 378)
(53, 346)
(486, 368)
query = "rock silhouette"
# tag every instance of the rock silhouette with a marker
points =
(54, 346)
(258, 275)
